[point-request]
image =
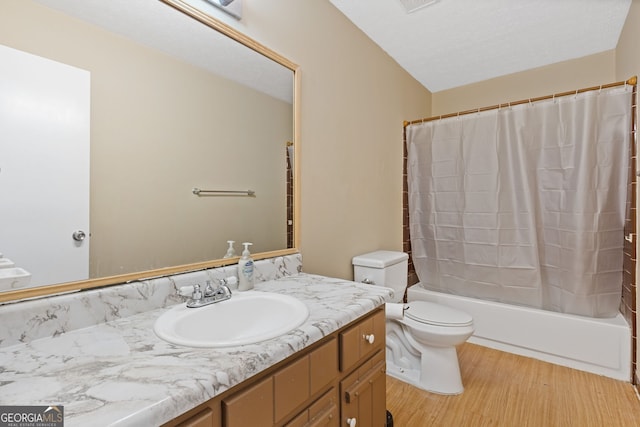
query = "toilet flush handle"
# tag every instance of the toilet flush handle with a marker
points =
(369, 338)
(351, 422)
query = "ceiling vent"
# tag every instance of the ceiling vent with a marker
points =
(413, 5)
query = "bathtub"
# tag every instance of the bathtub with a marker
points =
(599, 346)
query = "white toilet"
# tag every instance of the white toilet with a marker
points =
(421, 336)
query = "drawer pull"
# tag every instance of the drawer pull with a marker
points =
(369, 338)
(351, 422)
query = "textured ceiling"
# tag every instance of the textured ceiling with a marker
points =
(451, 43)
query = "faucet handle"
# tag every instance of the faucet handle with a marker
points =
(187, 291)
(229, 281)
(208, 290)
(225, 290)
(197, 294)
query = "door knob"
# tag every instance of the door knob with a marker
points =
(79, 235)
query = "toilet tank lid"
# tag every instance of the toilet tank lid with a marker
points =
(379, 259)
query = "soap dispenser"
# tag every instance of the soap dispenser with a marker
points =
(231, 252)
(245, 269)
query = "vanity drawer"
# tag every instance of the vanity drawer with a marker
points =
(323, 412)
(250, 407)
(362, 340)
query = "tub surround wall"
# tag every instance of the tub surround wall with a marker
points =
(629, 282)
(114, 370)
(627, 63)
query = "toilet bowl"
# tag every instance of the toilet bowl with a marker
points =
(421, 337)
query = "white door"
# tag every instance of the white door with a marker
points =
(44, 166)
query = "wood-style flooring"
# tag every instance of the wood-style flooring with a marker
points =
(504, 390)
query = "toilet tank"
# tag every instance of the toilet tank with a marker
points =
(384, 268)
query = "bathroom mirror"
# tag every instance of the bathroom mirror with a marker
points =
(178, 101)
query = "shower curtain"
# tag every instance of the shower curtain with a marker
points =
(526, 204)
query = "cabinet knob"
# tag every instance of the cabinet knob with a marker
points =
(369, 338)
(351, 422)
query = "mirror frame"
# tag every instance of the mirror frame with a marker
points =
(215, 24)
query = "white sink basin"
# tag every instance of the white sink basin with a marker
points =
(246, 318)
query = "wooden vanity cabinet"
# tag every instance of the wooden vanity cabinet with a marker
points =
(342, 376)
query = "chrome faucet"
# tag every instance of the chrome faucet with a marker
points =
(210, 295)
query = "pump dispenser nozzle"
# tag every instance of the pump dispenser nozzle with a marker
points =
(245, 269)
(246, 248)
(231, 252)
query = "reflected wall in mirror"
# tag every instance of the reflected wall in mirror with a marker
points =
(174, 104)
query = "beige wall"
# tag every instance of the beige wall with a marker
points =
(354, 100)
(160, 127)
(583, 72)
(627, 58)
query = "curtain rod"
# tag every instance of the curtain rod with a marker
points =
(631, 81)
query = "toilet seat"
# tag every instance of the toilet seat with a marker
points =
(436, 314)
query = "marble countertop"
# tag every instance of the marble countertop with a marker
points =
(120, 373)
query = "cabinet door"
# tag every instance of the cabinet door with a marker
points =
(251, 407)
(379, 398)
(363, 397)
